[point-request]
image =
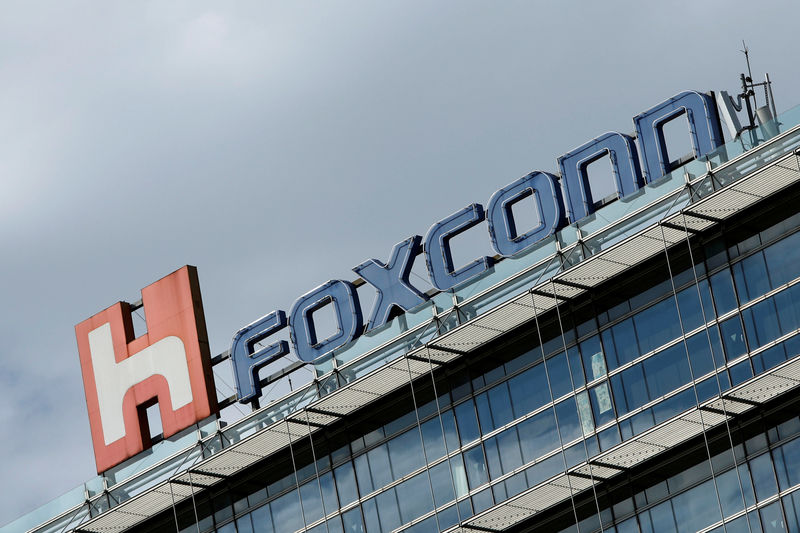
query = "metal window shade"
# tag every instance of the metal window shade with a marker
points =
(765, 389)
(599, 472)
(728, 405)
(791, 370)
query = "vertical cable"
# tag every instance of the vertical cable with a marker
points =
(316, 471)
(716, 370)
(691, 374)
(572, 384)
(422, 442)
(552, 400)
(444, 435)
(296, 478)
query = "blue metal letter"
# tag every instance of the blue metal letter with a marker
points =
(342, 295)
(247, 360)
(624, 161)
(437, 248)
(701, 113)
(502, 228)
(391, 281)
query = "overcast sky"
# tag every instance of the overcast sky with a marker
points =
(278, 145)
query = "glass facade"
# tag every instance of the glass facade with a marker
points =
(704, 317)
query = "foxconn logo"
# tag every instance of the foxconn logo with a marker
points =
(170, 364)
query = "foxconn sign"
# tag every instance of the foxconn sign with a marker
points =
(170, 364)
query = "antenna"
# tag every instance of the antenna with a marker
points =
(766, 115)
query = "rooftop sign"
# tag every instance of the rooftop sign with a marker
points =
(558, 201)
(170, 364)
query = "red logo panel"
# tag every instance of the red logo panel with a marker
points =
(170, 364)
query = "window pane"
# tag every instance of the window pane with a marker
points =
(286, 511)
(476, 467)
(500, 404)
(763, 476)
(568, 420)
(528, 391)
(666, 371)
(657, 325)
(601, 404)
(559, 376)
(751, 277)
(733, 338)
(346, 483)
(415, 493)
(312, 502)
(405, 453)
(627, 346)
(593, 361)
(538, 435)
(722, 287)
(434, 440)
(388, 510)
(508, 446)
(783, 259)
(442, 484)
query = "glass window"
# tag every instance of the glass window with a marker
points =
(476, 467)
(405, 453)
(558, 372)
(751, 277)
(791, 506)
(245, 524)
(568, 421)
(484, 412)
(434, 439)
(601, 404)
(328, 492)
(666, 371)
(312, 502)
(575, 366)
(529, 391)
(787, 464)
(593, 360)
(538, 435)
(772, 518)
(761, 323)
(442, 484)
(630, 389)
(585, 412)
(699, 349)
(783, 259)
(379, 466)
(788, 304)
(500, 404)
(388, 510)
(450, 431)
(690, 308)
(459, 475)
(286, 511)
(262, 519)
(493, 458)
(763, 476)
(722, 287)
(657, 325)
(627, 347)
(733, 338)
(364, 477)
(351, 520)
(370, 510)
(346, 483)
(482, 501)
(415, 493)
(508, 446)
